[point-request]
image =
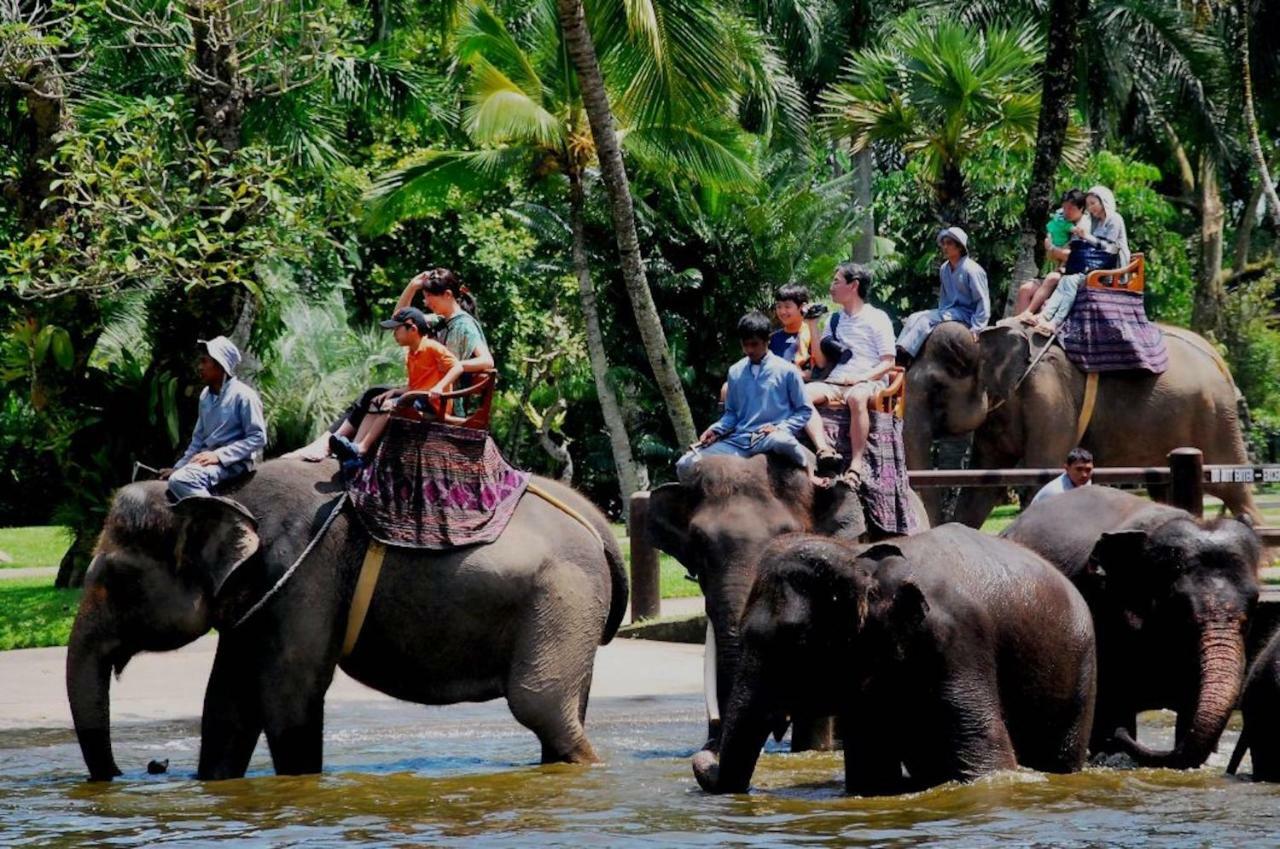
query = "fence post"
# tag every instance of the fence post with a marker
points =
(646, 600)
(1186, 480)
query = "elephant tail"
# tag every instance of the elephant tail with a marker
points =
(620, 589)
(1237, 754)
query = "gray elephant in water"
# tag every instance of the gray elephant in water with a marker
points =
(717, 523)
(520, 617)
(1027, 416)
(1171, 598)
(950, 653)
(1260, 706)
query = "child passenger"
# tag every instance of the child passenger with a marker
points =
(431, 369)
(1032, 296)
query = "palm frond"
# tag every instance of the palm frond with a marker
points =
(428, 183)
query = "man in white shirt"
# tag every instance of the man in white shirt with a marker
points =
(1078, 472)
(857, 342)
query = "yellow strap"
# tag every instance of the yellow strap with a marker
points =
(372, 566)
(565, 508)
(1086, 411)
(365, 585)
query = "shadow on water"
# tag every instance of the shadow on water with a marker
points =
(464, 776)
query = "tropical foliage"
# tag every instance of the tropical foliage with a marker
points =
(277, 172)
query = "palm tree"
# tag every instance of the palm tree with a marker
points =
(524, 111)
(1251, 118)
(1059, 82)
(940, 91)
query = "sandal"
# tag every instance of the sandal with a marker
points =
(851, 478)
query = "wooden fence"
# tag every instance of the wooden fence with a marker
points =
(1185, 476)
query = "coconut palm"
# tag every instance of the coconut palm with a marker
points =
(524, 112)
(940, 90)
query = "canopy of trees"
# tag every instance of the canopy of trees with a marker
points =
(615, 180)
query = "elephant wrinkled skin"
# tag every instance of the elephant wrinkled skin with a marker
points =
(951, 653)
(1171, 597)
(520, 617)
(956, 386)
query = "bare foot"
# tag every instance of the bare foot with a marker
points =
(1045, 329)
(309, 453)
(820, 482)
(1028, 317)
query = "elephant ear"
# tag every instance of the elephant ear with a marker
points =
(670, 511)
(215, 537)
(1006, 354)
(1115, 572)
(838, 512)
(907, 613)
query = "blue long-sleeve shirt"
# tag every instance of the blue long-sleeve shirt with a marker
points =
(963, 295)
(771, 394)
(230, 424)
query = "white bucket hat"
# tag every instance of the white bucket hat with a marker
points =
(223, 352)
(955, 234)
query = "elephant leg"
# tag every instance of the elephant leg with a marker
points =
(1238, 498)
(232, 720)
(295, 733)
(551, 671)
(872, 760)
(813, 733)
(293, 682)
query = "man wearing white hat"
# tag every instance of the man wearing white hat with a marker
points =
(229, 431)
(962, 297)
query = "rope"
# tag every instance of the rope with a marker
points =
(1035, 360)
(565, 508)
(333, 514)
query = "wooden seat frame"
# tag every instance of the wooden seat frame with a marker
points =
(893, 398)
(1131, 278)
(479, 420)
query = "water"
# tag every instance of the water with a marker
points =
(400, 775)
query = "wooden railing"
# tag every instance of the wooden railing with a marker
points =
(1185, 476)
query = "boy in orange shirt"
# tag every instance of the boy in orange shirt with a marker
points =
(431, 368)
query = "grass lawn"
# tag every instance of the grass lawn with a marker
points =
(671, 580)
(33, 613)
(37, 546)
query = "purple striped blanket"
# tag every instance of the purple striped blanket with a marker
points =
(1108, 331)
(884, 491)
(436, 486)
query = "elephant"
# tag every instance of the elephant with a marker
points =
(1025, 415)
(1260, 705)
(717, 523)
(519, 617)
(1171, 598)
(950, 653)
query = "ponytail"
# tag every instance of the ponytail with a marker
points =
(441, 280)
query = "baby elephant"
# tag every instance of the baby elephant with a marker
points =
(954, 654)
(1260, 705)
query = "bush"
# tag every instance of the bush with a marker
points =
(316, 368)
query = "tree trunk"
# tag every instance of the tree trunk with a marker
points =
(1208, 303)
(614, 423)
(218, 87)
(864, 246)
(1051, 134)
(558, 452)
(1251, 118)
(583, 53)
(1244, 233)
(949, 194)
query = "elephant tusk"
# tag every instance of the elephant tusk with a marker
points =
(709, 689)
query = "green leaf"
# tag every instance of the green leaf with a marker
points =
(63, 354)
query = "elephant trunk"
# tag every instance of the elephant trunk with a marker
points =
(746, 726)
(1222, 669)
(89, 692)
(917, 439)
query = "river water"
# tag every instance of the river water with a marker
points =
(400, 775)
